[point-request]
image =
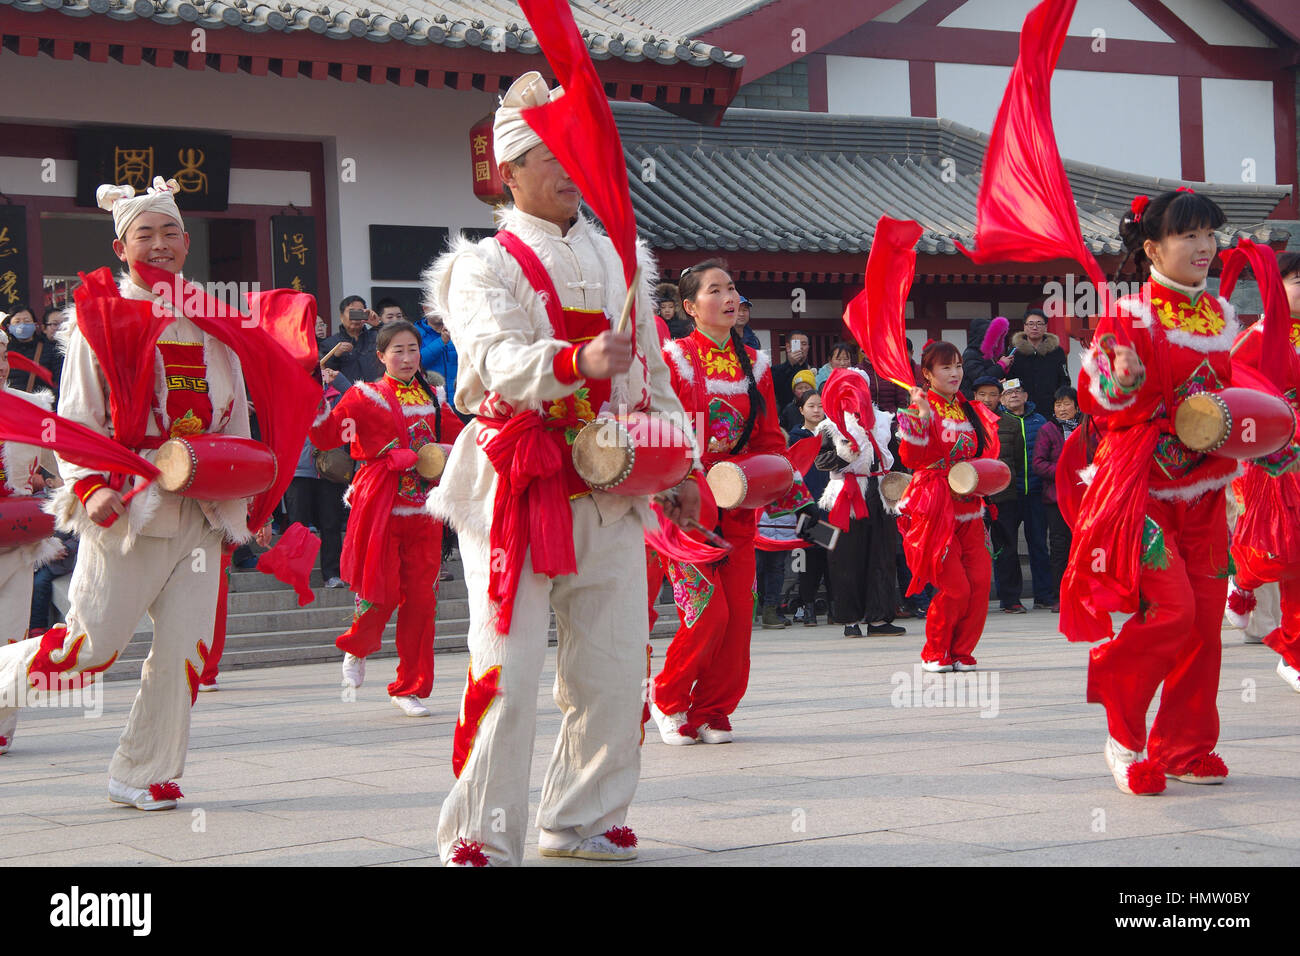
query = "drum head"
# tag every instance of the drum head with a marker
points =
(963, 478)
(1202, 422)
(601, 455)
(430, 461)
(893, 485)
(175, 464)
(728, 484)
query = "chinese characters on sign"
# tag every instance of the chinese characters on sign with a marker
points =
(293, 255)
(199, 162)
(13, 256)
(487, 182)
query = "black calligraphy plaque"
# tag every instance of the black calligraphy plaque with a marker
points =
(199, 162)
(13, 256)
(293, 253)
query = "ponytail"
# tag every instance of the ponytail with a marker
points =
(755, 396)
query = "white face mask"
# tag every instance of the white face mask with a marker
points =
(23, 330)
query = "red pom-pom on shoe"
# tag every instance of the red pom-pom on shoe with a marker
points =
(465, 853)
(1241, 602)
(165, 791)
(1210, 766)
(621, 836)
(1145, 777)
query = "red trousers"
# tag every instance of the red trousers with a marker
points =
(415, 553)
(1255, 569)
(706, 670)
(956, 617)
(209, 675)
(1174, 638)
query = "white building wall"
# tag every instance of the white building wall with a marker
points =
(411, 146)
(1118, 18)
(1239, 143)
(863, 86)
(1216, 23)
(1124, 121)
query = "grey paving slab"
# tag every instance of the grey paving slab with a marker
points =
(836, 762)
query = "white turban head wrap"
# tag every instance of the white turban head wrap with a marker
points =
(125, 205)
(511, 134)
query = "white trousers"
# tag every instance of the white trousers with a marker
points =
(15, 594)
(601, 666)
(1267, 615)
(175, 579)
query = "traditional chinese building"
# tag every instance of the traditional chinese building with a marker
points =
(335, 149)
(324, 149)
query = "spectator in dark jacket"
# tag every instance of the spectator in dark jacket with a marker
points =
(976, 362)
(747, 335)
(1038, 360)
(1021, 502)
(27, 338)
(670, 310)
(796, 351)
(358, 360)
(1047, 451)
(791, 416)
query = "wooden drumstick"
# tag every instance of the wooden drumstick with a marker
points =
(668, 498)
(627, 302)
(332, 353)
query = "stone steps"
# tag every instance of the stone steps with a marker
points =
(266, 627)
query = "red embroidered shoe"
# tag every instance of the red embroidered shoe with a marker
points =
(1133, 775)
(467, 853)
(158, 796)
(1209, 769)
(617, 844)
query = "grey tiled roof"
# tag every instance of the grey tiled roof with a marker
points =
(797, 182)
(488, 24)
(693, 18)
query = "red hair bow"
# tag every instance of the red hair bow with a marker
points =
(1139, 206)
(1184, 189)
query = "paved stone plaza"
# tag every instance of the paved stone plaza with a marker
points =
(826, 769)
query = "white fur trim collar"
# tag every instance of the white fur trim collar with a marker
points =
(1196, 489)
(681, 361)
(1206, 344)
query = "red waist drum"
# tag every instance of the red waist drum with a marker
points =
(22, 521)
(751, 481)
(215, 467)
(634, 454)
(979, 476)
(1235, 423)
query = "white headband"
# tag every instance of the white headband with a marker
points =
(126, 206)
(511, 134)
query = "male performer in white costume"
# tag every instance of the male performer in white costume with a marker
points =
(162, 554)
(18, 469)
(530, 388)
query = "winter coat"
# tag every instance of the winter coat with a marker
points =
(973, 363)
(1016, 434)
(1041, 369)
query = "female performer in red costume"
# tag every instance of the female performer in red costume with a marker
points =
(1266, 543)
(393, 551)
(1151, 537)
(713, 373)
(945, 541)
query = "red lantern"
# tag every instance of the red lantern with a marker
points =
(483, 164)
